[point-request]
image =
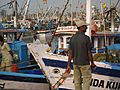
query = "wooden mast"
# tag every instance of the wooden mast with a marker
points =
(15, 13)
(26, 9)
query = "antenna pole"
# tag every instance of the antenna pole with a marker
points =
(88, 17)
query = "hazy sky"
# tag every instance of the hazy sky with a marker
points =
(37, 5)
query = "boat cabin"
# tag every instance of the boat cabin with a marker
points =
(9, 35)
(99, 39)
(18, 47)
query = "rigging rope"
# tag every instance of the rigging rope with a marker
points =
(58, 23)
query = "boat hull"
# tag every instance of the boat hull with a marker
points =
(104, 77)
(20, 81)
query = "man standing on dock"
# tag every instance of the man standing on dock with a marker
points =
(80, 52)
(7, 56)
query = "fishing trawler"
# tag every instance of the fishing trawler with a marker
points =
(105, 76)
(25, 73)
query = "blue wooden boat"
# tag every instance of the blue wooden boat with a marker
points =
(28, 75)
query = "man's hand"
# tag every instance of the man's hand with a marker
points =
(93, 65)
(68, 70)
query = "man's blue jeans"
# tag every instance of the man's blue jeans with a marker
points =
(82, 77)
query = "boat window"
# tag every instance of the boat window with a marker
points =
(61, 39)
(68, 40)
(100, 42)
(92, 39)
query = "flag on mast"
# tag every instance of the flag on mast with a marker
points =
(104, 5)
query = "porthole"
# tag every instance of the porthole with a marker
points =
(56, 71)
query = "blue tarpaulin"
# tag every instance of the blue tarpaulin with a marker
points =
(23, 30)
(117, 35)
(114, 47)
